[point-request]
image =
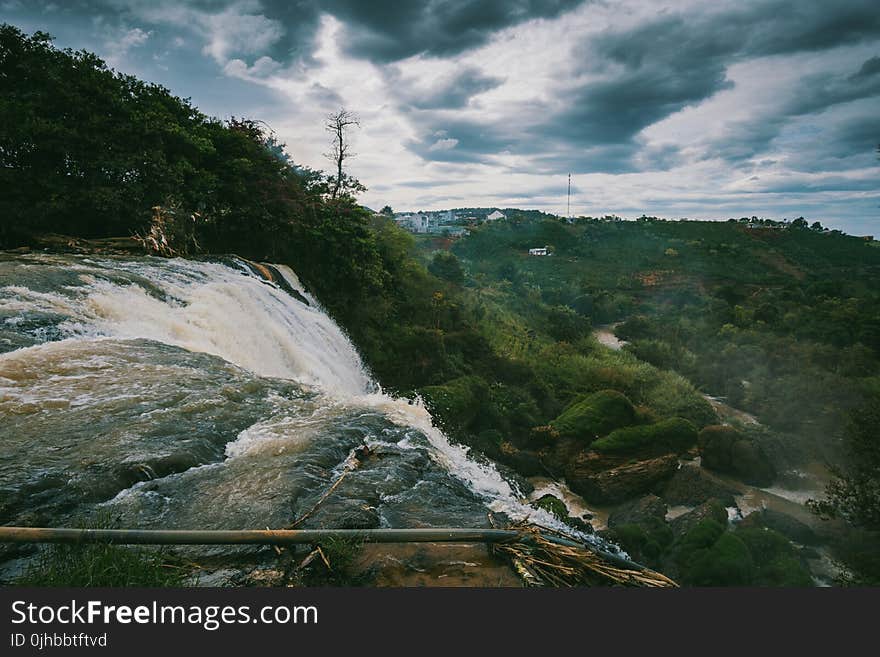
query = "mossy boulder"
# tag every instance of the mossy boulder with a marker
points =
(708, 555)
(619, 483)
(595, 415)
(556, 507)
(696, 539)
(692, 486)
(646, 542)
(642, 511)
(552, 505)
(776, 560)
(673, 434)
(788, 526)
(456, 403)
(727, 563)
(724, 449)
(711, 509)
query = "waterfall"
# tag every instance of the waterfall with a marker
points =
(231, 311)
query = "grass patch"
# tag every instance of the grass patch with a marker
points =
(341, 555)
(95, 564)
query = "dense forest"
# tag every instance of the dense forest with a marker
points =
(783, 321)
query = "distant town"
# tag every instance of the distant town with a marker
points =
(457, 222)
(451, 223)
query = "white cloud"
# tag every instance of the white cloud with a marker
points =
(120, 41)
(443, 145)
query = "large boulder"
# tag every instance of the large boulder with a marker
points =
(777, 562)
(724, 449)
(595, 415)
(618, 483)
(670, 435)
(711, 509)
(727, 563)
(788, 526)
(691, 486)
(643, 511)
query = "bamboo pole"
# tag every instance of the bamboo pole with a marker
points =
(523, 545)
(250, 536)
(283, 537)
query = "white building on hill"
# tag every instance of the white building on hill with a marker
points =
(495, 215)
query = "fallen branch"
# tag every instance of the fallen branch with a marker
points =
(351, 464)
(543, 558)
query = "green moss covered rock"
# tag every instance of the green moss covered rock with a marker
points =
(776, 560)
(595, 415)
(724, 449)
(727, 563)
(673, 434)
(552, 505)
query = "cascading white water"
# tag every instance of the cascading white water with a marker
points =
(234, 314)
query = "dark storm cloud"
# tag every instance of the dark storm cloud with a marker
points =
(818, 93)
(458, 140)
(386, 32)
(848, 144)
(381, 32)
(451, 93)
(614, 110)
(663, 65)
(608, 158)
(870, 68)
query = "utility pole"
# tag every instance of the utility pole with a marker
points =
(569, 197)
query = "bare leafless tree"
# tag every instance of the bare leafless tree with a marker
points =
(337, 125)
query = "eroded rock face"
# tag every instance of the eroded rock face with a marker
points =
(641, 511)
(711, 509)
(691, 486)
(724, 449)
(621, 482)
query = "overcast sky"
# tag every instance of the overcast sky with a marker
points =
(676, 108)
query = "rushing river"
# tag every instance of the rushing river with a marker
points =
(190, 394)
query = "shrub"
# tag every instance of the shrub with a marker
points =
(446, 266)
(458, 402)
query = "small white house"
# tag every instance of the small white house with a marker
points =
(495, 215)
(541, 251)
